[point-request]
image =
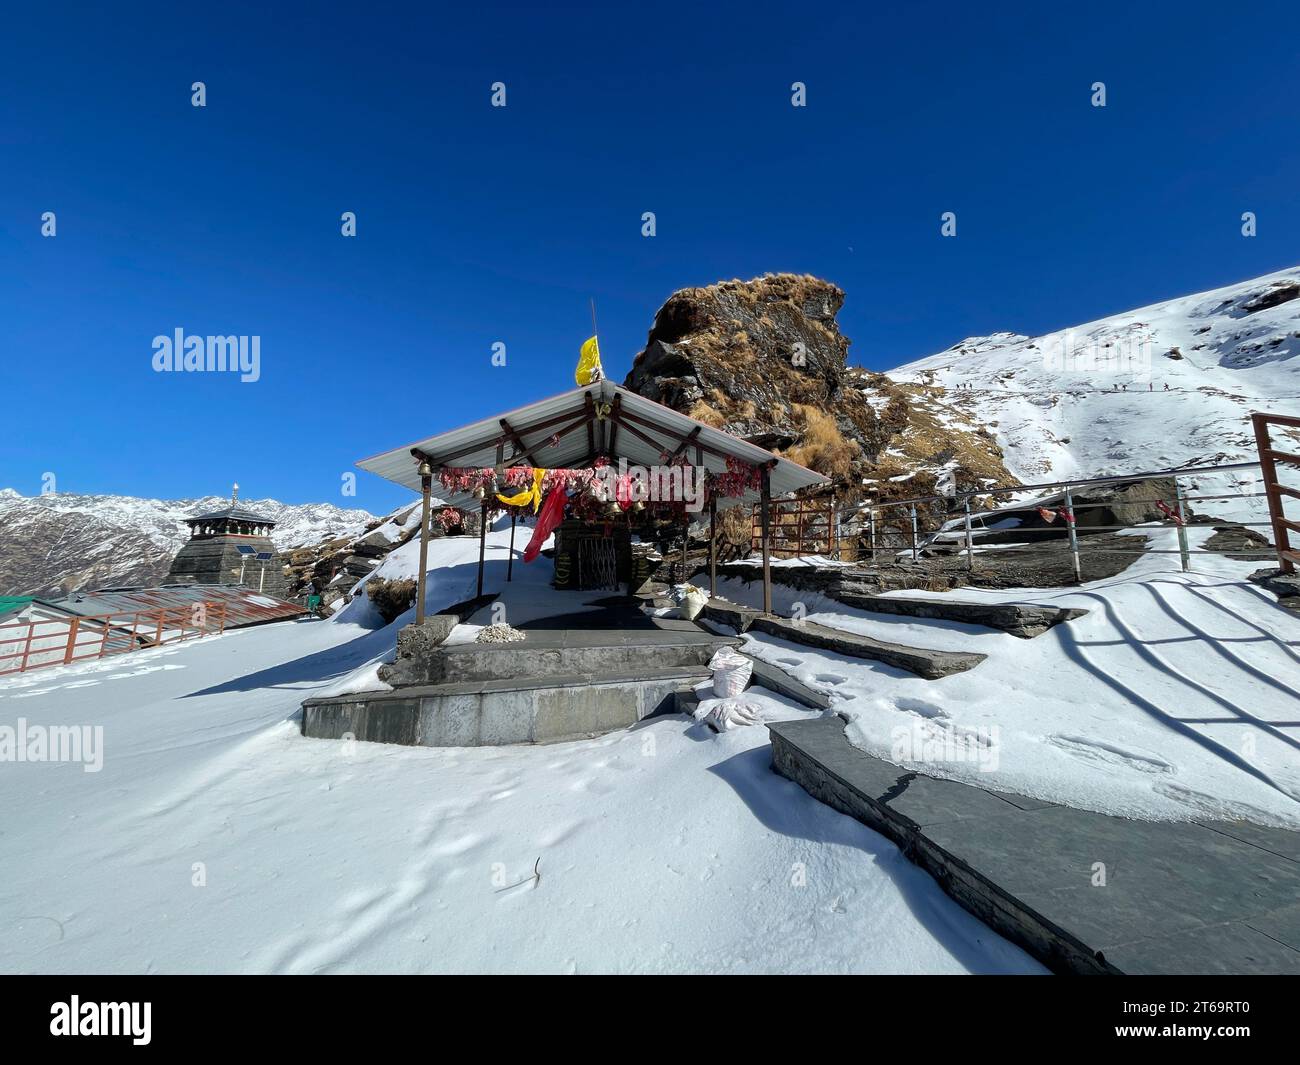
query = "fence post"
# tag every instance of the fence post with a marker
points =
(970, 555)
(72, 640)
(915, 555)
(1074, 536)
(1182, 527)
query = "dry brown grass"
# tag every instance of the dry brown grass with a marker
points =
(822, 447)
(391, 598)
(702, 412)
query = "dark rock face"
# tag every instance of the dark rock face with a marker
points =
(765, 360)
(752, 357)
(1130, 503)
(1286, 586)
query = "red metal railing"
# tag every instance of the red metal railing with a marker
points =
(26, 645)
(1269, 457)
(797, 527)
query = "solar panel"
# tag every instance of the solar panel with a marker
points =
(265, 556)
(244, 549)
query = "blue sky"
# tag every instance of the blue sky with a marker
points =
(478, 224)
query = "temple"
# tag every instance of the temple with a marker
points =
(231, 546)
(608, 464)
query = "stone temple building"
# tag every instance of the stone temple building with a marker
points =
(230, 546)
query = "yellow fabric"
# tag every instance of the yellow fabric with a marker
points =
(588, 363)
(531, 494)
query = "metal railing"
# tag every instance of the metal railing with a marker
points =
(65, 640)
(1274, 490)
(964, 525)
(804, 525)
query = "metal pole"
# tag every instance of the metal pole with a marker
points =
(1074, 537)
(765, 497)
(970, 554)
(510, 563)
(1182, 526)
(915, 554)
(871, 518)
(482, 543)
(426, 481)
(713, 544)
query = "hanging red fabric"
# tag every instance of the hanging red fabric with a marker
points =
(1169, 512)
(551, 515)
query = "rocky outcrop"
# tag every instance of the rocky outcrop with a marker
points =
(766, 361)
(336, 566)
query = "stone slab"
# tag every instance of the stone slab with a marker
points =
(1215, 897)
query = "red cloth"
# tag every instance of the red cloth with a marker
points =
(551, 515)
(1169, 512)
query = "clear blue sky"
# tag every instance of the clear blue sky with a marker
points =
(479, 224)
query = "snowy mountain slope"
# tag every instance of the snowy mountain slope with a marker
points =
(58, 542)
(1166, 385)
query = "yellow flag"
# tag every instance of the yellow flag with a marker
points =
(532, 494)
(588, 363)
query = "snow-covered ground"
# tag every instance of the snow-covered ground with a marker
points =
(1176, 697)
(216, 838)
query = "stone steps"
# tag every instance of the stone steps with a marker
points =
(1024, 621)
(540, 657)
(496, 712)
(924, 662)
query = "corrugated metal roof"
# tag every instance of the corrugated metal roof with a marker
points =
(475, 445)
(244, 606)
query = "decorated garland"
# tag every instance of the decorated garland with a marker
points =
(486, 483)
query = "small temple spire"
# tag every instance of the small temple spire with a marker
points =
(234, 494)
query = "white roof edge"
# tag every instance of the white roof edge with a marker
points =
(398, 464)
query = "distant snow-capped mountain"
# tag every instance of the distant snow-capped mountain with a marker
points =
(1172, 384)
(60, 542)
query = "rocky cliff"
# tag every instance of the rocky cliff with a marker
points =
(765, 360)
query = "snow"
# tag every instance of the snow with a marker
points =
(1174, 698)
(162, 521)
(216, 838)
(1057, 418)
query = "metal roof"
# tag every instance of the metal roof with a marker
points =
(10, 604)
(244, 606)
(232, 514)
(475, 445)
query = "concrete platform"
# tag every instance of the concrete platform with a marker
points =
(497, 712)
(573, 675)
(1213, 897)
